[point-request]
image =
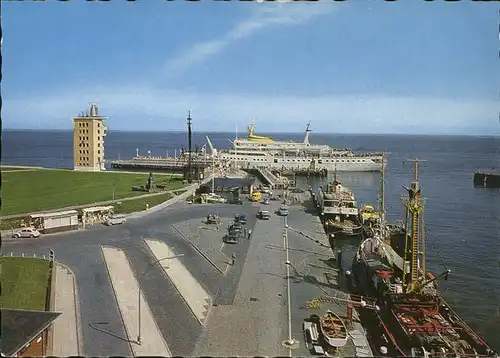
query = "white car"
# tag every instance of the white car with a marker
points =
(27, 232)
(283, 210)
(115, 220)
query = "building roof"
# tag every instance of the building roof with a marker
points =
(54, 214)
(231, 182)
(20, 327)
(97, 208)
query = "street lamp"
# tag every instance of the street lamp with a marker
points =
(290, 342)
(114, 184)
(140, 291)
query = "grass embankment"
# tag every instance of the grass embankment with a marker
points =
(24, 283)
(10, 169)
(131, 206)
(39, 190)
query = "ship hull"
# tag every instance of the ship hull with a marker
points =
(356, 164)
(403, 333)
(338, 233)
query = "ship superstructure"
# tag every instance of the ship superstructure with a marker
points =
(260, 151)
(339, 211)
(413, 320)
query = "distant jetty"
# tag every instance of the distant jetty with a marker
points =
(486, 180)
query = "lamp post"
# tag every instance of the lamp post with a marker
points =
(140, 291)
(290, 342)
(114, 184)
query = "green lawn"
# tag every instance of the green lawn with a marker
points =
(38, 190)
(24, 283)
(131, 206)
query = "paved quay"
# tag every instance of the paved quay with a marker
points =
(127, 295)
(253, 324)
(102, 327)
(65, 335)
(315, 276)
(198, 300)
(249, 300)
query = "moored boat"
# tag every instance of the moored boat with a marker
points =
(339, 212)
(414, 319)
(333, 329)
(257, 151)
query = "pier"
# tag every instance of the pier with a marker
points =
(318, 282)
(268, 178)
(486, 180)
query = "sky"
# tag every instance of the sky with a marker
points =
(358, 66)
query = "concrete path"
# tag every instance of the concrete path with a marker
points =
(65, 327)
(198, 300)
(255, 325)
(126, 291)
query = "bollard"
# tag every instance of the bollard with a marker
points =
(44, 256)
(11, 254)
(22, 255)
(34, 255)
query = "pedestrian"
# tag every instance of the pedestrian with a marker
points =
(249, 233)
(233, 258)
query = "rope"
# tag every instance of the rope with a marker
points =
(436, 247)
(309, 237)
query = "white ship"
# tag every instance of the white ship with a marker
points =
(264, 152)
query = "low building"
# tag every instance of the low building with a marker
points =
(48, 223)
(24, 333)
(229, 188)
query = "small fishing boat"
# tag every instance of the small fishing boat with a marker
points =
(333, 329)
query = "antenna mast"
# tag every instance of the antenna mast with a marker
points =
(414, 208)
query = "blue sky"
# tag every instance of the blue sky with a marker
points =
(357, 66)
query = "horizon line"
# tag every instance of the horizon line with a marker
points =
(270, 133)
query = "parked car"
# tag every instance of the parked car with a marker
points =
(266, 201)
(298, 190)
(237, 201)
(232, 237)
(283, 210)
(240, 218)
(27, 232)
(213, 218)
(264, 215)
(115, 220)
(236, 226)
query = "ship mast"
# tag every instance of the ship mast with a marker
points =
(382, 192)
(415, 241)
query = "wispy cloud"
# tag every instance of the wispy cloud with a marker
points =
(149, 109)
(263, 17)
